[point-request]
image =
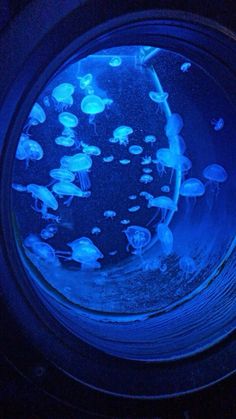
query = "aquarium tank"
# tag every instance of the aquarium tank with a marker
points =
(124, 200)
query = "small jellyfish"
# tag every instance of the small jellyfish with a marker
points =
(146, 178)
(124, 162)
(91, 150)
(165, 188)
(85, 252)
(165, 237)
(18, 187)
(146, 160)
(69, 189)
(28, 150)
(65, 141)
(121, 134)
(92, 105)
(62, 96)
(218, 124)
(108, 159)
(138, 237)
(215, 174)
(125, 221)
(96, 230)
(85, 81)
(132, 197)
(46, 197)
(113, 253)
(44, 252)
(49, 231)
(135, 149)
(191, 189)
(185, 67)
(147, 170)
(135, 208)
(146, 195)
(158, 97)
(150, 139)
(46, 101)
(109, 214)
(115, 61)
(113, 140)
(68, 119)
(79, 163)
(164, 204)
(174, 125)
(62, 174)
(37, 116)
(187, 266)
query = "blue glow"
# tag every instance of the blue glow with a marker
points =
(192, 187)
(92, 105)
(115, 61)
(68, 120)
(138, 237)
(135, 149)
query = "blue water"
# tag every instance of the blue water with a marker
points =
(82, 242)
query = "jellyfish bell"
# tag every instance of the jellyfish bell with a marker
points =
(91, 150)
(63, 188)
(138, 237)
(62, 174)
(124, 162)
(215, 173)
(122, 133)
(43, 194)
(68, 119)
(115, 61)
(85, 81)
(65, 141)
(37, 116)
(135, 149)
(109, 214)
(174, 125)
(108, 159)
(85, 252)
(150, 139)
(20, 151)
(147, 170)
(92, 105)
(96, 230)
(146, 178)
(79, 163)
(164, 204)
(135, 208)
(62, 96)
(165, 237)
(187, 265)
(33, 150)
(158, 97)
(192, 187)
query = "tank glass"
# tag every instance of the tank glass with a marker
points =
(123, 188)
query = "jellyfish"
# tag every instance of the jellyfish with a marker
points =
(146, 160)
(191, 188)
(108, 159)
(124, 162)
(46, 101)
(132, 197)
(218, 124)
(158, 97)
(43, 251)
(138, 237)
(113, 140)
(69, 189)
(65, 141)
(85, 252)
(18, 187)
(166, 158)
(92, 105)
(135, 149)
(62, 174)
(215, 174)
(79, 163)
(49, 231)
(92, 150)
(125, 221)
(46, 197)
(85, 81)
(20, 151)
(185, 67)
(150, 139)
(96, 230)
(68, 119)
(28, 150)
(147, 170)
(135, 208)
(109, 214)
(163, 203)
(187, 266)
(165, 237)
(146, 178)
(62, 96)
(146, 195)
(122, 133)
(115, 61)
(174, 125)
(37, 116)
(165, 188)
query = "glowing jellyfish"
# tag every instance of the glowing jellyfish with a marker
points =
(85, 81)
(135, 208)
(18, 187)
(192, 187)
(30, 240)
(79, 163)
(37, 116)
(85, 252)
(43, 251)
(147, 170)
(62, 174)
(146, 178)
(62, 96)
(49, 231)
(174, 125)
(121, 134)
(146, 195)
(113, 253)
(150, 139)
(135, 149)
(124, 162)
(164, 204)
(68, 119)
(65, 141)
(165, 188)
(218, 124)
(28, 150)
(125, 221)
(46, 101)
(109, 214)
(91, 150)
(46, 197)
(92, 105)
(20, 151)
(138, 237)
(158, 97)
(165, 237)
(146, 160)
(166, 158)
(69, 189)
(132, 197)
(115, 61)
(113, 140)
(215, 173)
(96, 230)
(187, 266)
(185, 67)
(108, 159)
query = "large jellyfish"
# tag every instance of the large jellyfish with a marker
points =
(47, 199)
(68, 119)
(85, 252)
(79, 163)
(69, 189)
(37, 116)
(163, 203)
(192, 188)
(122, 133)
(165, 236)
(215, 174)
(138, 237)
(62, 96)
